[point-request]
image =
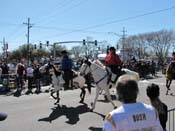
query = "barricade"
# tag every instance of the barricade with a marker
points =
(171, 122)
(9, 80)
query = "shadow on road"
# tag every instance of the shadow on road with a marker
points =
(171, 94)
(95, 128)
(71, 113)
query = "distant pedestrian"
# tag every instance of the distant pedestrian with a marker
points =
(162, 109)
(131, 115)
(20, 76)
(30, 79)
(5, 70)
(37, 77)
(5, 76)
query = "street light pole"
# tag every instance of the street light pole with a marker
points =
(123, 42)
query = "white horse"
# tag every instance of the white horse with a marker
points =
(101, 78)
(58, 81)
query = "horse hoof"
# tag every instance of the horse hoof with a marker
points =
(167, 93)
(81, 101)
(91, 110)
(115, 107)
(56, 103)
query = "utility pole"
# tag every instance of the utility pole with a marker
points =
(123, 41)
(4, 48)
(28, 36)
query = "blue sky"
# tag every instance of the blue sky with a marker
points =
(59, 20)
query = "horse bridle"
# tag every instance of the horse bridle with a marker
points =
(90, 69)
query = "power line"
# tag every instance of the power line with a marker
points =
(51, 17)
(116, 21)
(132, 17)
(68, 29)
(8, 24)
(95, 26)
(15, 31)
(53, 12)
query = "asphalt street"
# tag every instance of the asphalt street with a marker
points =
(37, 112)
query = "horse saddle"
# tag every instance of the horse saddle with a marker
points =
(114, 77)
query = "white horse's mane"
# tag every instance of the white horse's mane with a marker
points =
(99, 63)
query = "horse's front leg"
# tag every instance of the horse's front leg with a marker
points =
(107, 92)
(52, 94)
(82, 94)
(58, 97)
(96, 97)
(168, 83)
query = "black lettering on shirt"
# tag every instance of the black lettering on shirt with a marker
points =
(139, 117)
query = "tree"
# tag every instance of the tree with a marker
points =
(23, 53)
(160, 43)
(77, 51)
(157, 44)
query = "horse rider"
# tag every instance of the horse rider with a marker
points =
(113, 61)
(66, 67)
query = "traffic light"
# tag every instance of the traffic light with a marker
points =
(84, 42)
(34, 46)
(47, 43)
(95, 42)
(40, 45)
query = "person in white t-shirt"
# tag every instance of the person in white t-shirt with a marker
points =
(131, 115)
(30, 79)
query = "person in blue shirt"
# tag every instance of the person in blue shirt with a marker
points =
(66, 67)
